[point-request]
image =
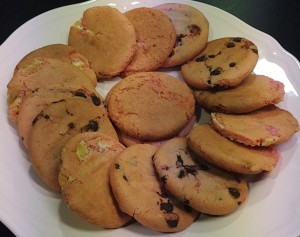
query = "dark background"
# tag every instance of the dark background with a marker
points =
(278, 18)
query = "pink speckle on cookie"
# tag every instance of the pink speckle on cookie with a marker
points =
(274, 131)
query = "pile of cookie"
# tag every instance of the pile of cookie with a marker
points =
(141, 154)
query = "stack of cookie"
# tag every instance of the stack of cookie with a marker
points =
(140, 154)
(139, 40)
(245, 123)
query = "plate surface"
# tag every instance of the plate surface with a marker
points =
(29, 209)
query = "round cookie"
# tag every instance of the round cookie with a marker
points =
(42, 73)
(255, 92)
(155, 35)
(39, 100)
(224, 63)
(54, 126)
(106, 38)
(84, 178)
(220, 151)
(150, 105)
(205, 188)
(64, 53)
(140, 194)
(191, 28)
(264, 127)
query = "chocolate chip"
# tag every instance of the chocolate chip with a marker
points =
(234, 192)
(211, 56)
(237, 39)
(117, 166)
(125, 178)
(96, 100)
(167, 207)
(68, 112)
(71, 125)
(181, 174)
(46, 116)
(172, 223)
(179, 161)
(194, 29)
(215, 72)
(58, 101)
(232, 64)
(92, 126)
(201, 58)
(80, 94)
(255, 51)
(230, 45)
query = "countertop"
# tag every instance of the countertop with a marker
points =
(278, 18)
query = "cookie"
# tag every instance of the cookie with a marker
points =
(192, 30)
(84, 178)
(42, 73)
(150, 105)
(39, 100)
(64, 53)
(54, 126)
(140, 194)
(220, 151)
(264, 127)
(155, 35)
(255, 92)
(106, 38)
(224, 63)
(203, 187)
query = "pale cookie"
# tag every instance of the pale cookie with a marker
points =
(54, 126)
(191, 32)
(255, 92)
(140, 194)
(220, 151)
(224, 63)
(155, 35)
(150, 105)
(39, 100)
(42, 73)
(264, 127)
(205, 188)
(84, 178)
(64, 53)
(106, 38)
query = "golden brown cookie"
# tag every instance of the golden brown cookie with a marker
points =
(220, 151)
(140, 194)
(84, 178)
(224, 63)
(150, 105)
(203, 187)
(106, 38)
(191, 32)
(255, 92)
(54, 126)
(155, 35)
(39, 100)
(42, 73)
(64, 53)
(264, 127)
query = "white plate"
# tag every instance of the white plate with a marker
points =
(29, 209)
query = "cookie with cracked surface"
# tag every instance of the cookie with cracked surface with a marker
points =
(106, 38)
(39, 100)
(42, 73)
(205, 188)
(255, 92)
(84, 178)
(54, 126)
(155, 35)
(264, 127)
(191, 28)
(150, 105)
(64, 53)
(229, 155)
(139, 193)
(224, 63)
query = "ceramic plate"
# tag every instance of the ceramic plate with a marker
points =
(30, 209)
